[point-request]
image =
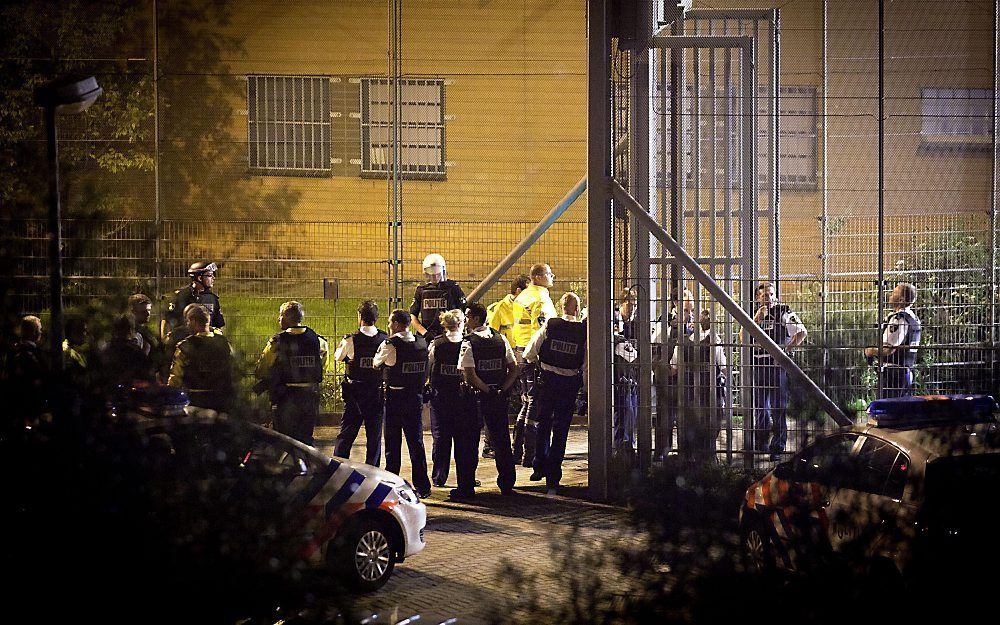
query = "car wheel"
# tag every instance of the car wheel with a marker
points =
(758, 555)
(365, 555)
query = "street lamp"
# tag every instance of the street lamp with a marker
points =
(68, 95)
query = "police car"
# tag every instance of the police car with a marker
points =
(900, 498)
(250, 492)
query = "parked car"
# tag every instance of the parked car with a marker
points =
(215, 483)
(903, 497)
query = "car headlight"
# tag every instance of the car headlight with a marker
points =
(407, 493)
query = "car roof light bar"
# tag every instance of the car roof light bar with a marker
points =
(928, 410)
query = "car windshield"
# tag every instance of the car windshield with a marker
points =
(957, 486)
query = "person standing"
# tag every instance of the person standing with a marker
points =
(122, 361)
(769, 380)
(491, 369)
(900, 339)
(446, 395)
(362, 387)
(623, 420)
(533, 307)
(677, 321)
(203, 363)
(703, 360)
(559, 349)
(202, 274)
(403, 358)
(140, 308)
(291, 368)
(501, 316)
(26, 376)
(434, 297)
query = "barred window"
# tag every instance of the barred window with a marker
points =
(798, 138)
(422, 138)
(956, 117)
(289, 125)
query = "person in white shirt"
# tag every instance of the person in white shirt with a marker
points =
(362, 386)
(490, 368)
(559, 349)
(403, 359)
(703, 361)
(445, 393)
(901, 336)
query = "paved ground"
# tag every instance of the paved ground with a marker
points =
(457, 573)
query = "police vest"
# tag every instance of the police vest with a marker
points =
(503, 315)
(360, 369)
(298, 358)
(905, 355)
(434, 300)
(410, 370)
(208, 299)
(490, 356)
(772, 324)
(564, 344)
(528, 314)
(207, 370)
(445, 374)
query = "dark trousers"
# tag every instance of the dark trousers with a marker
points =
(362, 406)
(493, 413)
(896, 381)
(526, 426)
(447, 409)
(623, 419)
(556, 400)
(770, 399)
(295, 413)
(403, 417)
(666, 408)
(467, 428)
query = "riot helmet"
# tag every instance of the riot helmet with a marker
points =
(201, 270)
(434, 268)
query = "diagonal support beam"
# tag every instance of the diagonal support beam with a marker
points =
(739, 315)
(528, 241)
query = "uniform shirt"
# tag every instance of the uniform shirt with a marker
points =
(270, 355)
(792, 327)
(466, 357)
(537, 307)
(896, 327)
(386, 354)
(182, 297)
(454, 296)
(345, 351)
(454, 336)
(535, 345)
(720, 352)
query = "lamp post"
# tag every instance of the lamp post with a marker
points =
(68, 96)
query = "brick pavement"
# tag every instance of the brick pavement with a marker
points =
(456, 574)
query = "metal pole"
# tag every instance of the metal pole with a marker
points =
(748, 206)
(993, 296)
(677, 204)
(825, 214)
(598, 250)
(776, 145)
(881, 178)
(522, 247)
(761, 338)
(55, 240)
(157, 218)
(639, 169)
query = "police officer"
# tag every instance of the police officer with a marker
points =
(533, 307)
(677, 321)
(702, 360)
(291, 369)
(403, 358)
(202, 275)
(490, 369)
(770, 382)
(500, 316)
(446, 395)
(433, 298)
(623, 420)
(362, 387)
(901, 336)
(26, 376)
(559, 349)
(122, 361)
(203, 363)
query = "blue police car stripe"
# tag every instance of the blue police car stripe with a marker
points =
(378, 496)
(350, 486)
